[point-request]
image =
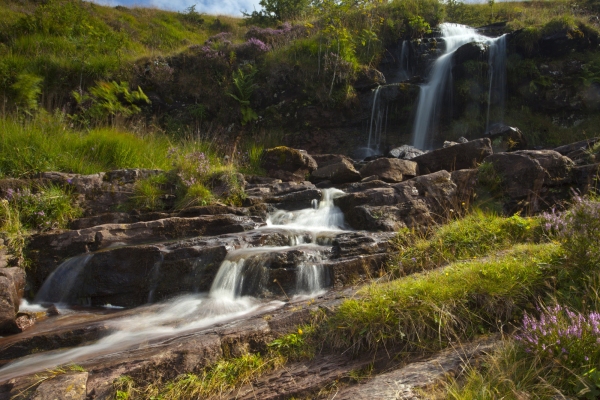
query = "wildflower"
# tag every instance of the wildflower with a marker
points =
(300, 331)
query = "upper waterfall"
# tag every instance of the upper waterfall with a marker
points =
(431, 97)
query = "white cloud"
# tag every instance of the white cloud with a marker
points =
(215, 7)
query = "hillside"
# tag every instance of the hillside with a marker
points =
(321, 200)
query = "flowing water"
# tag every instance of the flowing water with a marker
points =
(239, 279)
(431, 96)
(62, 284)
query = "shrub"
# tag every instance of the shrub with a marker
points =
(27, 90)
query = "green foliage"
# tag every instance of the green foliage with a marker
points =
(46, 143)
(13, 232)
(452, 304)
(109, 100)
(196, 195)
(27, 89)
(46, 207)
(243, 82)
(294, 346)
(284, 10)
(476, 235)
(192, 16)
(418, 27)
(149, 193)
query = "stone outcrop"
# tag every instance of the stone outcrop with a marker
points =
(12, 284)
(509, 138)
(414, 203)
(288, 164)
(390, 169)
(341, 172)
(460, 156)
(102, 192)
(521, 179)
(70, 386)
(405, 152)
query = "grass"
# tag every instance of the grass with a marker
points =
(428, 311)
(479, 234)
(223, 376)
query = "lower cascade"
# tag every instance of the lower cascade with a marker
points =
(242, 279)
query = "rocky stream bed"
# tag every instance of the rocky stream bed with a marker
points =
(155, 295)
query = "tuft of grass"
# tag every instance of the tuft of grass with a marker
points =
(506, 373)
(149, 193)
(476, 235)
(196, 195)
(458, 302)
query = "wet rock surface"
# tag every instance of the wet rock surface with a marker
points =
(12, 284)
(460, 156)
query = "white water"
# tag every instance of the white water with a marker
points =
(325, 217)
(223, 303)
(432, 93)
(61, 283)
(404, 73)
(154, 275)
(497, 76)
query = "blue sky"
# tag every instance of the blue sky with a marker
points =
(227, 7)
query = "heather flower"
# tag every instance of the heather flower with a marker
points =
(560, 331)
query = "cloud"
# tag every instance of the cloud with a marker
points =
(225, 7)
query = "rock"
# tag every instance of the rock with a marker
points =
(460, 156)
(25, 321)
(405, 152)
(473, 51)
(324, 160)
(522, 178)
(462, 139)
(368, 78)
(70, 386)
(507, 138)
(558, 167)
(586, 178)
(289, 196)
(390, 169)
(102, 192)
(448, 144)
(12, 285)
(466, 183)
(48, 249)
(288, 164)
(414, 203)
(342, 172)
(583, 144)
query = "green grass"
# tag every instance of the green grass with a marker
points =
(479, 234)
(456, 303)
(46, 143)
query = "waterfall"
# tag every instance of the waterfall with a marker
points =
(405, 71)
(325, 217)
(497, 77)
(376, 128)
(154, 275)
(431, 96)
(310, 279)
(61, 285)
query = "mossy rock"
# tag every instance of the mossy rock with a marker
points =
(288, 164)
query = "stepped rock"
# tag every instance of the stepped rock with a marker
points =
(460, 156)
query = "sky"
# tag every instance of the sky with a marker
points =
(224, 7)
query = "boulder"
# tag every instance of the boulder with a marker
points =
(390, 169)
(289, 196)
(12, 284)
(368, 78)
(288, 164)
(583, 144)
(460, 156)
(324, 160)
(405, 152)
(521, 177)
(558, 168)
(473, 51)
(342, 172)
(415, 203)
(507, 138)
(70, 386)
